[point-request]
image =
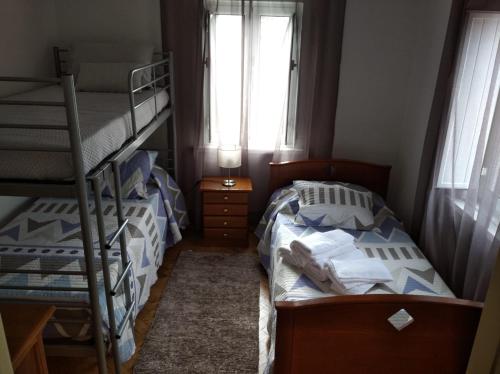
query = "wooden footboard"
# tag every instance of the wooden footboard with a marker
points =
(352, 334)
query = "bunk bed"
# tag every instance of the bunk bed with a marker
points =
(57, 143)
(414, 324)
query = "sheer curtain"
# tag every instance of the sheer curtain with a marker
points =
(249, 54)
(260, 127)
(250, 83)
(258, 54)
(461, 231)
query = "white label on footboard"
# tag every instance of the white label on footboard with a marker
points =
(400, 319)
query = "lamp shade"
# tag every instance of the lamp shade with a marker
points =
(229, 156)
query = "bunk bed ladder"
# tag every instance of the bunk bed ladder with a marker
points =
(96, 186)
(81, 190)
(116, 328)
(126, 264)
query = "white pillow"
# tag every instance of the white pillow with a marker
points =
(106, 77)
(139, 53)
(335, 205)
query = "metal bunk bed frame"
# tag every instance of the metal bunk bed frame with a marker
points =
(79, 188)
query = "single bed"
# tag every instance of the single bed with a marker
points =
(105, 125)
(47, 236)
(315, 330)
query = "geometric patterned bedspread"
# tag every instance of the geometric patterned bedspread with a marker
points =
(412, 272)
(47, 236)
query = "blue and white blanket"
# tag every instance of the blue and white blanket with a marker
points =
(47, 236)
(411, 271)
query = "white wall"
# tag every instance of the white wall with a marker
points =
(390, 59)
(29, 29)
(27, 33)
(109, 21)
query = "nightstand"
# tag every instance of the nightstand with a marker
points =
(225, 211)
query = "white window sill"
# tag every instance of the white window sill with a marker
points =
(283, 148)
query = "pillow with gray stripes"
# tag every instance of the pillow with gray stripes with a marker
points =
(334, 204)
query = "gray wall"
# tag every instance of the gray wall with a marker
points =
(389, 65)
(27, 33)
(390, 59)
(109, 20)
(29, 29)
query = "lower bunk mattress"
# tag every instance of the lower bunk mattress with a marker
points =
(47, 236)
(412, 272)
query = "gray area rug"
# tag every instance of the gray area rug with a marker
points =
(208, 318)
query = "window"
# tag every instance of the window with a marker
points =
(474, 100)
(252, 74)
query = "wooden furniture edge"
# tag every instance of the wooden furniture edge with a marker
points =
(306, 329)
(373, 298)
(18, 356)
(372, 176)
(246, 181)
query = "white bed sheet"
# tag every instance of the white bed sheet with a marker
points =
(105, 125)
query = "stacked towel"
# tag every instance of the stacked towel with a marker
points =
(332, 261)
(288, 257)
(355, 274)
(313, 251)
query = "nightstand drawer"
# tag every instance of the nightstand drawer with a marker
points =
(226, 234)
(223, 222)
(225, 197)
(224, 210)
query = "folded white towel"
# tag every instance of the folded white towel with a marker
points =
(329, 250)
(346, 286)
(314, 250)
(324, 286)
(333, 263)
(288, 257)
(369, 270)
(317, 264)
(328, 286)
(350, 288)
(319, 242)
(318, 271)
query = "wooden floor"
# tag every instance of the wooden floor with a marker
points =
(190, 241)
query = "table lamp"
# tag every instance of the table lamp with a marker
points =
(229, 157)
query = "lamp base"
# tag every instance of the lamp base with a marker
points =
(229, 183)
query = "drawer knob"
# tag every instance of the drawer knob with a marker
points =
(226, 197)
(226, 210)
(226, 235)
(225, 223)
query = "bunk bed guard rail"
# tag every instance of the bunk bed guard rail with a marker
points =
(160, 81)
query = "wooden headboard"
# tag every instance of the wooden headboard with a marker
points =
(372, 176)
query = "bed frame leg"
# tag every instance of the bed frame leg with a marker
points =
(123, 239)
(171, 69)
(81, 192)
(96, 186)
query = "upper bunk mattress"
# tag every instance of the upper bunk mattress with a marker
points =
(105, 125)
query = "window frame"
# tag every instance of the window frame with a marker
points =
(446, 159)
(260, 8)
